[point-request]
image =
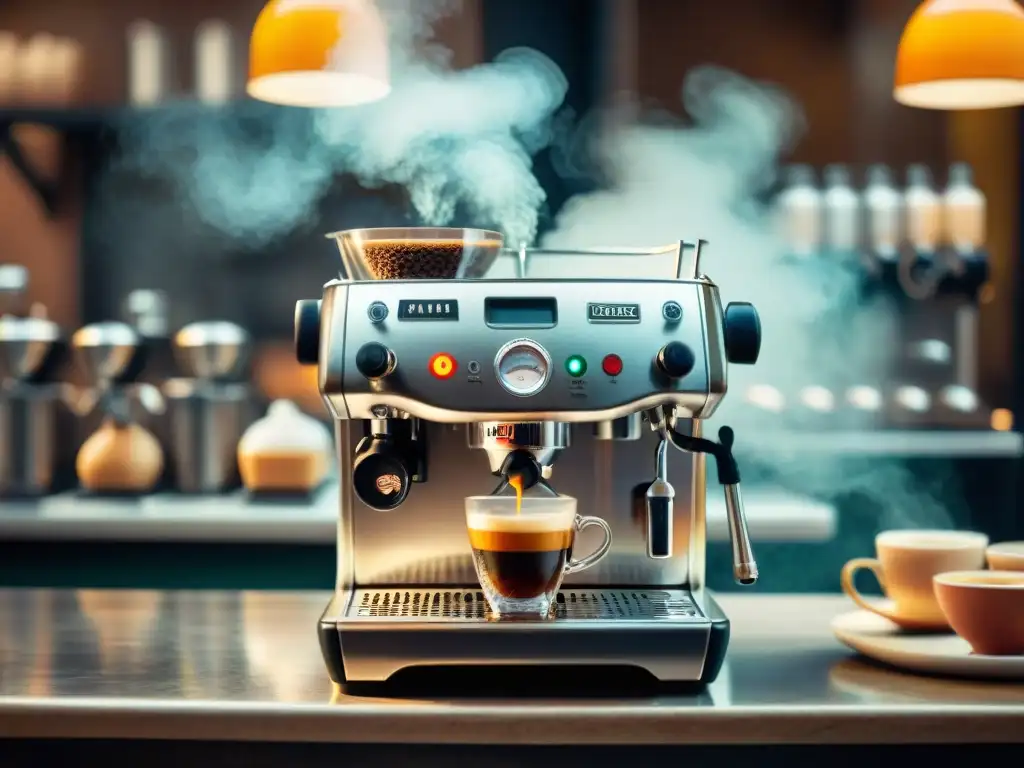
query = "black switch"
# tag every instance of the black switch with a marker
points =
(676, 360)
(374, 360)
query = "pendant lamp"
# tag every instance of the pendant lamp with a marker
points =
(962, 54)
(319, 53)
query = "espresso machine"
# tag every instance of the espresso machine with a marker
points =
(444, 379)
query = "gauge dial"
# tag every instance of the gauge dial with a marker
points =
(523, 367)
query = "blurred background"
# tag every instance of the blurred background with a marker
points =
(157, 226)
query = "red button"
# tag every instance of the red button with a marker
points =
(612, 365)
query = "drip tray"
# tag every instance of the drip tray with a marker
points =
(469, 605)
(385, 631)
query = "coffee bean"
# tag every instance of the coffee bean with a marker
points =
(419, 259)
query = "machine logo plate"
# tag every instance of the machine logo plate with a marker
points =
(428, 309)
(613, 313)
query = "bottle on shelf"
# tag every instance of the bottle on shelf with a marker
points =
(214, 62)
(8, 68)
(922, 211)
(964, 211)
(800, 212)
(842, 212)
(883, 206)
(149, 64)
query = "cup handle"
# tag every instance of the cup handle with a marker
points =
(846, 579)
(575, 566)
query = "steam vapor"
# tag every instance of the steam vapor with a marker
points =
(708, 178)
(463, 141)
(455, 140)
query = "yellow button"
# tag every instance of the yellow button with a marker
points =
(442, 365)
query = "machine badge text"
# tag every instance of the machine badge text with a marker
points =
(613, 313)
(428, 309)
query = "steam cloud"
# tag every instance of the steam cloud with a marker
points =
(708, 179)
(464, 140)
(456, 141)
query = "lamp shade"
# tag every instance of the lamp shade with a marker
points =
(962, 54)
(319, 53)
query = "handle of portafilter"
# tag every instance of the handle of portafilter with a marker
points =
(744, 567)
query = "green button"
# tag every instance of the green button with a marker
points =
(576, 365)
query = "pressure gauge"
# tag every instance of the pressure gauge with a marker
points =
(523, 367)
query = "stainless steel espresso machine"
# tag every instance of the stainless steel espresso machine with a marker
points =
(445, 379)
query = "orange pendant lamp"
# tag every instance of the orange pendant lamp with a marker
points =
(319, 53)
(962, 54)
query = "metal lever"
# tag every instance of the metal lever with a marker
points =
(659, 501)
(744, 568)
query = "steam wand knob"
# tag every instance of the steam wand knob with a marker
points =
(675, 360)
(742, 331)
(743, 565)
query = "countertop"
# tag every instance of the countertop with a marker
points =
(232, 666)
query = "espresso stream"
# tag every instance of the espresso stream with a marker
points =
(516, 481)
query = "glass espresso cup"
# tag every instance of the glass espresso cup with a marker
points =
(521, 557)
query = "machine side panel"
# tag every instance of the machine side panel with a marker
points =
(333, 318)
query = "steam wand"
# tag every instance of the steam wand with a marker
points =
(744, 566)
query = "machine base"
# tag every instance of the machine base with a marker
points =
(371, 635)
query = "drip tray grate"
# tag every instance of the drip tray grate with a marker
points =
(572, 604)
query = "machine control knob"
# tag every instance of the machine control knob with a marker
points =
(676, 360)
(374, 360)
(671, 311)
(307, 332)
(377, 312)
(742, 327)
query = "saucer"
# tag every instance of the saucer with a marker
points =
(907, 623)
(932, 654)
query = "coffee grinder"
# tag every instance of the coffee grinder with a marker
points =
(443, 383)
(120, 457)
(29, 400)
(210, 410)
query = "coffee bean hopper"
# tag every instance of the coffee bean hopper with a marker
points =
(447, 369)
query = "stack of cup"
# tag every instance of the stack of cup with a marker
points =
(936, 581)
